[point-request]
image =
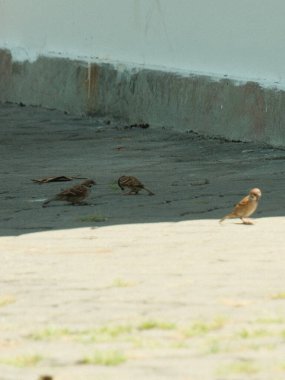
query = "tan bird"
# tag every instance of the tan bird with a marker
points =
(245, 207)
(74, 195)
(133, 184)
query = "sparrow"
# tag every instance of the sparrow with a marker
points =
(133, 184)
(245, 207)
(74, 195)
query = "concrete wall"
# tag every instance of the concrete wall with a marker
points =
(243, 38)
(215, 67)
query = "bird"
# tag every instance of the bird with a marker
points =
(133, 184)
(245, 207)
(74, 195)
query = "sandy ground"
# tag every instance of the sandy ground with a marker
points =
(137, 287)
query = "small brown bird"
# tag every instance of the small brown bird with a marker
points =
(133, 184)
(75, 195)
(245, 207)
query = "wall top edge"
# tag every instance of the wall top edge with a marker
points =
(21, 55)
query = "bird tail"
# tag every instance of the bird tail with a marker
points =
(228, 216)
(47, 202)
(149, 192)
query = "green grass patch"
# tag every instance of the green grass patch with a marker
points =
(6, 300)
(105, 358)
(179, 344)
(114, 186)
(99, 334)
(214, 347)
(282, 367)
(278, 296)
(22, 361)
(270, 320)
(136, 333)
(199, 328)
(230, 344)
(51, 333)
(106, 334)
(239, 368)
(253, 334)
(282, 333)
(120, 283)
(159, 325)
(262, 346)
(93, 218)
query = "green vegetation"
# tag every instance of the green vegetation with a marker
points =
(114, 186)
(93, 218)
(105, 334)
(148, 343)
(282, 367)
(270, 320)
(6, 300)
(51, 333)
(255, 333)
(105, 358)
(262, 346)
(159, 325)
(205, 337)
(239, 368)
(278, 296)
(201, 328)
(214, 347)
(100, 334)
(22, 361)
(120, 283)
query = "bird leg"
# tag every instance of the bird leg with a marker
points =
(79, 203)
(149, 192)
(130, 193)
(247, 221)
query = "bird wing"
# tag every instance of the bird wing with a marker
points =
(74, 191)
(129, 181)
(242, 204)
(134, 182)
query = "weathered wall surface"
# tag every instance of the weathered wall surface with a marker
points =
(237, 111)
(212, 67)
